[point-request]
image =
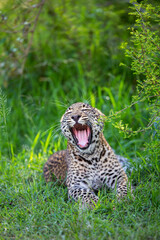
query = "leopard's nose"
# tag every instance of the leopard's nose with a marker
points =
(76, 118)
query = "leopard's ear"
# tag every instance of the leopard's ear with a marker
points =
(100, 113)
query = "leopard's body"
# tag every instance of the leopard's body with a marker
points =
(89, 162)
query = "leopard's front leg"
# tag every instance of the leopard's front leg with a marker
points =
(122, 187)
(117, 178)
(79, 188)
(84, 194)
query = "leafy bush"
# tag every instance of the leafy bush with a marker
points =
(143, 50)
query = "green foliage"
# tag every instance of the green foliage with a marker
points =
(71, 55)
(144, 52)
(80, 38)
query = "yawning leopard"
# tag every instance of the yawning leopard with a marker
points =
(89, 162)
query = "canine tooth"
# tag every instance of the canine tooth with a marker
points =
(88, 131)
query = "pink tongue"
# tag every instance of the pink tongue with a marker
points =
(82, 137)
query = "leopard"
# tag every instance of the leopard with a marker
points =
(89, 163)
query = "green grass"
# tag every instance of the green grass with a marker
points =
(32, 209)
(75, 56)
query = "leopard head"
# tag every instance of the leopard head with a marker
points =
(82, 124)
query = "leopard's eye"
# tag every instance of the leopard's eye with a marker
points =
(84, 109)
(69, 110)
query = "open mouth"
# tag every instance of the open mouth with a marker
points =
(82, 135)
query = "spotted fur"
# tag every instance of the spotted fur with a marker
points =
(86, 169)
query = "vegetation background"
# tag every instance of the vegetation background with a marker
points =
(55, 53)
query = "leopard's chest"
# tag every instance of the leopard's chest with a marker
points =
(91, 178)
(89, 169)
(88, 172)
